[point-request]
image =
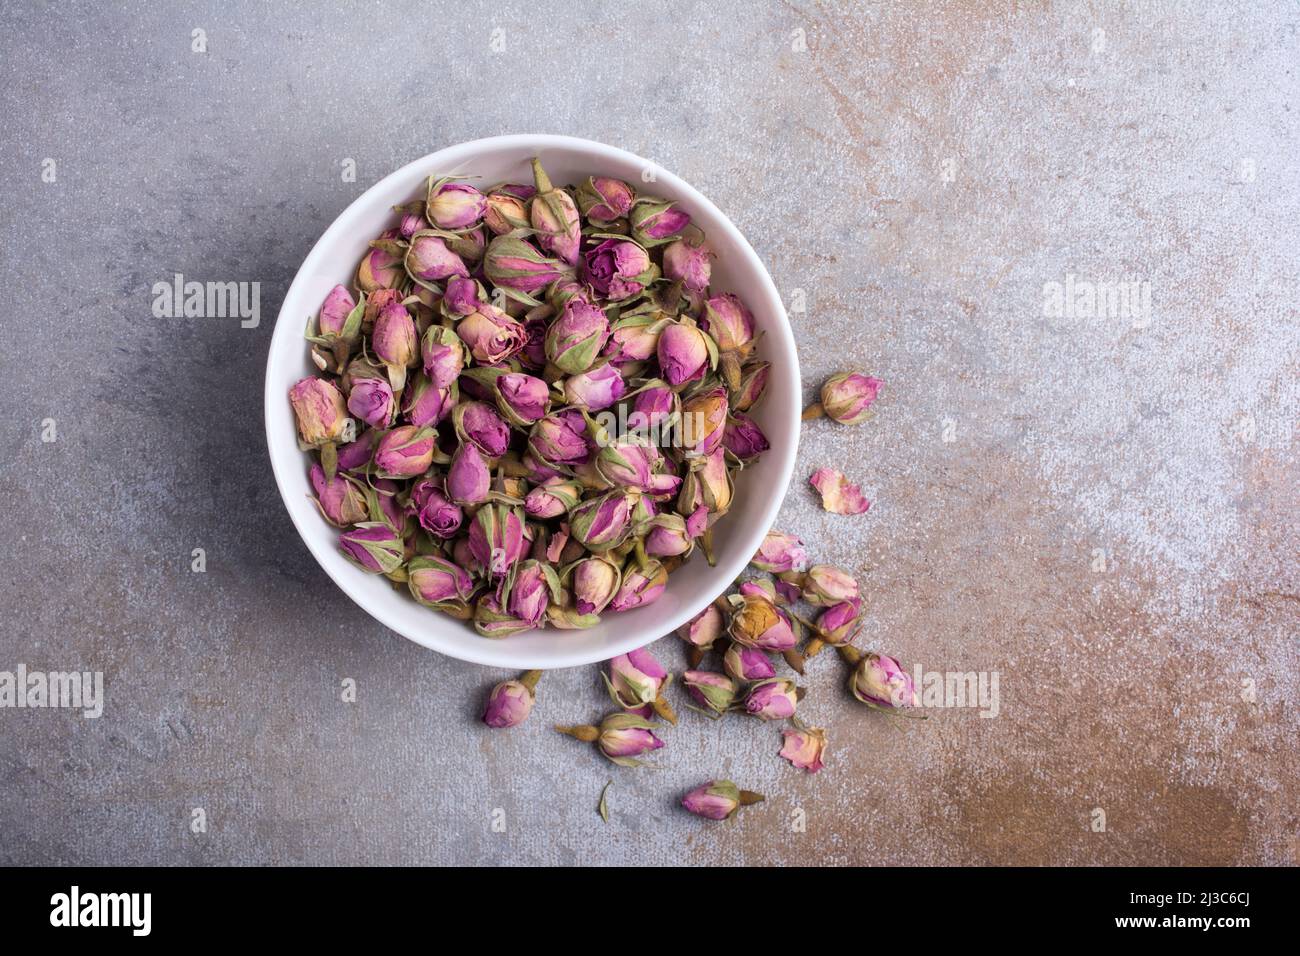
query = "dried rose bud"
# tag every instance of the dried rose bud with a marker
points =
(335, 312)
(666, 536)
(479, 423)
(443, 353)
(434, 512)
(626, 463)
(340, 500)
(515, 265)
(374, 547)
(602, 199)
(599, 524)
(595, 389)
(683, 352)
(718, 799)
(595, 581)
(468, 477)
(655, 222)
(714, 692)
(405, 452)
(846, 397)
(380, 269)
(804, 747)
(704, 629)
(636, 679)
(506, 212)
(825, 585)
(452, 205)
(634, 338)
(743, 438)
(626, 736)
(747, 663)
(689, 264)
(522, 398)
(534, 588)
(496, 538)
(619, 269)
(878, 680)
(757, 623)
(780, 552)
(654, 408)
(560, 439)
(753, 382)
(463, 296)
(838, 494)
(371, 400)
(493, 620)
(319, 409)
(552, 498)
(424, 404)
(576, 337)
(837, 625)
(356, 455)
(492, 336)
(394, 343)
(438, 583)
(641, 586)
(555, 218)
(772, 699)
(428, 258)
(511, 701)
(715, 483)
(729, 322)
(704, 421)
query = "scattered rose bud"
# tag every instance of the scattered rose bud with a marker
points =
(506, 210)
(836, 626)
(772, 699)
(622, 737)
(443, 353)
(846, 398)
(839, 495)
(747, 663)
(825, 585)
(880, 682)
(713, 692)
(719, 799)
(757, 623)
(510, 702)
(703, 630)
(491, 335)
(804, 747)
(636, 680)
(433, 511)
(780, 552)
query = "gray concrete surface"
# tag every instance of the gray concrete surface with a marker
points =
(1101, 510)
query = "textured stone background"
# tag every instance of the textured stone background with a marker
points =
(920, 171)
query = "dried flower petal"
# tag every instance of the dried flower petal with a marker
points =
(839, 495)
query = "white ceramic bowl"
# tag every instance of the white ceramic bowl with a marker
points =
(760, 488)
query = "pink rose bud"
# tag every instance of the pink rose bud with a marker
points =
(839, 623)
(880, 681)
(318, 407)
(454, 205)
(560, 439)
(405, 452)
(704, 421)
(463, 296)
(772, 699)
(424, 404)
(371, 400)
(393, 341)
(743, 438)
(804, 747)
(718, 800)
(634, 338)
(704, 629)
(576, 337)
(641, 586)
(356, 455)
(555, 218)
(619, 269)
(334, 312)
(491, 619)
(443, 353)
(535, 587)
(552, 498)
(683, 353)
(636, 679)
(599, 524)
(653, 408)
(510, 702)
(516, 265)
(412, 222)
(506, 212)
(595, 581)
(848, 396)
(373, 547)
(667, 537)
(435, 513)
(380, 269)
(758, 623)
(496, 538)
(523, 398)
(603, 200)
(688, 264)
(747, 663)
(753, 382)
(478, 422)
(825, 585)
(729, 322)
(429, 260)
(438, 583)
(492, 336)
(341, 500)
(779, 553)
(656, 222)
(713, 692)
(626, 736)
(468, 477)
(595, 389)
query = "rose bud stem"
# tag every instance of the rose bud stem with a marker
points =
(694, 656)
(814, 410)
(729, 362)
(794, 659)
(530, 678)
(813, 648)
(584, 732)
(664, 709)
(850, 654)
(748, 798)
(706, 545)
(329, 460)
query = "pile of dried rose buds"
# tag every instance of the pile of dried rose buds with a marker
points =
(530, 408)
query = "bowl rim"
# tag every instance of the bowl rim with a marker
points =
(784, 346)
